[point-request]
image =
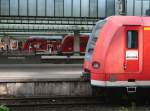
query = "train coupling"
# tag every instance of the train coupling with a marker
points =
(85, 75)
(131, 89)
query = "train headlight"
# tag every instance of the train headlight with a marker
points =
(96, 65)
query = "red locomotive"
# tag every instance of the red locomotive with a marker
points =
(67, 45)
(121, 56)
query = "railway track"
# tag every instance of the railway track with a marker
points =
(92, 100)
(67, 104)
(50, 101)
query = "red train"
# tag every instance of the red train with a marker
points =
(48, 44)
(38, 44)
(67, 45)
(54, 44)
(120, 57)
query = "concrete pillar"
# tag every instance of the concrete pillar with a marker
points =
(76, 42)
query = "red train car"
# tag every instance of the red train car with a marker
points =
(35, 43)
(121, 56)
(47, 44)
(67, 45)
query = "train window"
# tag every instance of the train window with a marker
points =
(132, 39)
(95, 32)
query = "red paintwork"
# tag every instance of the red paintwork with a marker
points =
(67, 44)
(86, 65)
(30, 43)
(83, 42)
(110, 50)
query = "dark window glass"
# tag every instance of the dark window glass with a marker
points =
(132, 39)
(94, 35)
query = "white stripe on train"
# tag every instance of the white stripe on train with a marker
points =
(119, 83)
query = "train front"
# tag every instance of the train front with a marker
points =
(106, 53)
(114, 63)
(90, 47)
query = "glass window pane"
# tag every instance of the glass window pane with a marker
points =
(145, 6)
(116, 7)
(4, 7)
(41, 8)
(32, 7)
(95, 32)
(101, 8)
(23, 7)
(93, 8)
(137, 7)
(132, 39)
(129, 7)
(84, 8)
(13, 7)
(59, 7)
(76, 8)
(67, 7)
(110, 7)
(50, 8)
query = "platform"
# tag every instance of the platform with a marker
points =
(42, 80)
(62, 57)
(37, 72)
(38, 59)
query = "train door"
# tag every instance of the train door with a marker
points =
(132, 49)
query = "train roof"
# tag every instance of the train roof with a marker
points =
(130, 20)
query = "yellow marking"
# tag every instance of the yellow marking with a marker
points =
(146, 28)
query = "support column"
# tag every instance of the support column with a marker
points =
(76, 43)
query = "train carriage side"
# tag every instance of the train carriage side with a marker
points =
(38, 44)
(121, 57)
(83, 43)
(67, 45)
(146, 51)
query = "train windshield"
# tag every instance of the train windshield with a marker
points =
(93, 37)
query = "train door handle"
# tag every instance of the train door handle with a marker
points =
(125, 66)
